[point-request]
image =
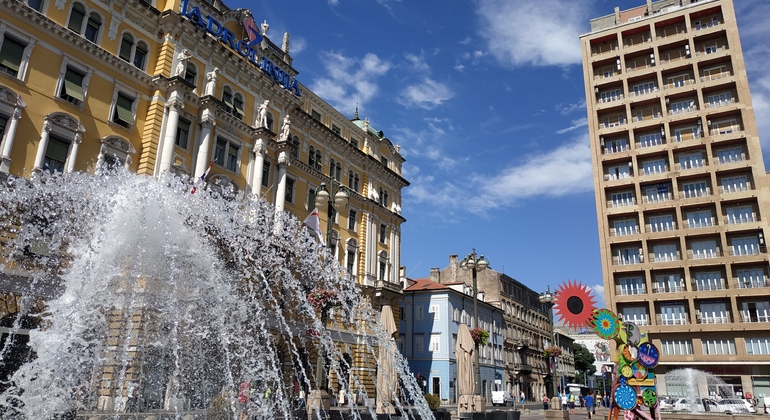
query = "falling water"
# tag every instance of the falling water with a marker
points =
(169, 302)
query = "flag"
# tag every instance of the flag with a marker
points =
(252, 31)
(313, 222)
(203, 177)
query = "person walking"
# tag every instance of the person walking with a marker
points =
(571, 403)
(564, 401)
(545, 402)
(523, 399)
(589, 400)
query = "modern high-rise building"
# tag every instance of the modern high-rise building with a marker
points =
(681, 188)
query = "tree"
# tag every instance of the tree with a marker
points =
(584, 362)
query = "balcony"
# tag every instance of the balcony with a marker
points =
(716, 76)
(704, 254)
(667, 288)
(681, 111)
(656, 198)
(752, 284)
(717, 104)
(735, 188)
(678, 84)
(723, 319)
(746, 318)
(671, 31)
(708, 286)
(630, 290)
(704, 192)
(669, 320)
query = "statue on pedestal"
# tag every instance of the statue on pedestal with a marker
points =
(262, 115)
(285, 129)
(211, 82)
(181, 65)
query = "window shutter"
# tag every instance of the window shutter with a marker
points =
(123, 109)
(76, 18)
(11, 53)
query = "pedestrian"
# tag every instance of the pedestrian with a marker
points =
(545, 402)
(589, 400)
(564, 401)
(523, 399)
(571, 403)
(301, 397)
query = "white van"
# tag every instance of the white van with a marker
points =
(502, 398)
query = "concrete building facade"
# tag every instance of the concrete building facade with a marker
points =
(681, 188)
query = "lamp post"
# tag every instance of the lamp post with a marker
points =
(546, 298)
(341, 197)
(471, 262)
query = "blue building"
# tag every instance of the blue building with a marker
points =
(431, 314)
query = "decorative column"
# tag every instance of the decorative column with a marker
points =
(259, 163)
(207, 127)
(10, 134)
(169, 138)
(41, 148)
(73, 153)
(280, 193)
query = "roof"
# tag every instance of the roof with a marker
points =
(425, 284)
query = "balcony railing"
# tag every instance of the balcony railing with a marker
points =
(614, 204)
(717, 104)
(716, 76)
(725, 130)
(661, 227)
(706, 287)
(670, 31)
(752, 284)
(724, 319)
(735, 188)
(614, 123)
(754, 318)
(667, 288)
(630, 290)
(633, 230)
(610, 98)
(681, 320)
(703, 255)
(656, 198)
(681, 111)
(705, 192)
(643, 92)
(678, 84)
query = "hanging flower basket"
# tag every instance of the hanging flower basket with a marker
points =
(480, 336)
(553, 351)
(324, 299)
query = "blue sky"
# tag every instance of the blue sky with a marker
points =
(486, 99)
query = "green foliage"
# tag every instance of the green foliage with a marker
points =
(480, 336)
(433, 401)
(584, 359)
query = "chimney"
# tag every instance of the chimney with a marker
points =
(435, 275)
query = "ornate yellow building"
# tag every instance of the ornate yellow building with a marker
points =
(182, 86)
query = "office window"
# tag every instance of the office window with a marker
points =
(56, 153)
(266, 174)
(676, 347)
(182, 133)
(72, 86)
(637, 315)
(758, 345)
(690, 161)
(627, 256)
(745, 246)
(657, 166)
(699, 219)
(123, 110)
(711, 280)
(649, 140)
(717, 346)
(730, 155)
(622, 199)
(735, 184)
(673, 314)
(662, 223)
(713, 313)
(12, 56)
(352, 219)
(435, 342)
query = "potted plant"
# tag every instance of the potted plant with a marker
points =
(480, 336)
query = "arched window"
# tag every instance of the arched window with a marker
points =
(132, 51)
(318, 159)
(77, 15)
(191, 73)
(270, 120)
(93, 26)
(311, 157)
(227, 98)
(126, 46)
(335, 169)
(140, 55)
(350, 179)
(238, 106)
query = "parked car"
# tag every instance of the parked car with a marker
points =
(502, 398)
(732, 406)
(667, 403)
(749, 405)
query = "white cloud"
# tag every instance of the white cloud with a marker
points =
(417, 63)
(333, 2)
(563, 171)
(428, 94)
(570, 108)
(297, 45)
(459, 67)
(537, 32)
(582, 122)
(598, 290)
(753, 16)
(349, 80)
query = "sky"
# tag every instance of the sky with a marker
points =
(486, 100)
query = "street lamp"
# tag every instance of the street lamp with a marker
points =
(471, 262)
(546, 298)
(341, 197)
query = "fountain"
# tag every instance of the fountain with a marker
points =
(176, 305)
(694, 383)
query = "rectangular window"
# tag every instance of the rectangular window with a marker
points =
(662, 223)
(695, 189)
(682, 107)
(266, 174)
(11, 55)
(720, 99)
(724, 127)
(72, 86)
(746, 246)
(758, 345)
(622, 199)
(383, 270)
(704, 249)
(419, 313)
(615, 146)
(3, 124)
(740, 214)
(289, 197)
(687, 133)
(676, 81)
(756, 311)
(668, 283)
(618, 172)
(56, 154)
(649, 140)
(665, 252)
(644, 88)
(435, 342)
(716, 73)
(232, 157)
(637, 315)
(716, 346)
(631, 286)
(336, 130)
(673, 314)
(383, 233)
(354, 142)
(612, 95)
(433, 311)
(676, 347)
(733, 154)
(351, 261)
(352, 220)
(711, 280)
(690, 161)
(657, 166)
(699, 219)
(628, 256)
(310, 205)
(123, 113)
(419, 343)
(657, 193)
(713, 313)
(625, 227)
(735, 184)
(315, 115)
(182, 133)
(750, 278)
(219, 151)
